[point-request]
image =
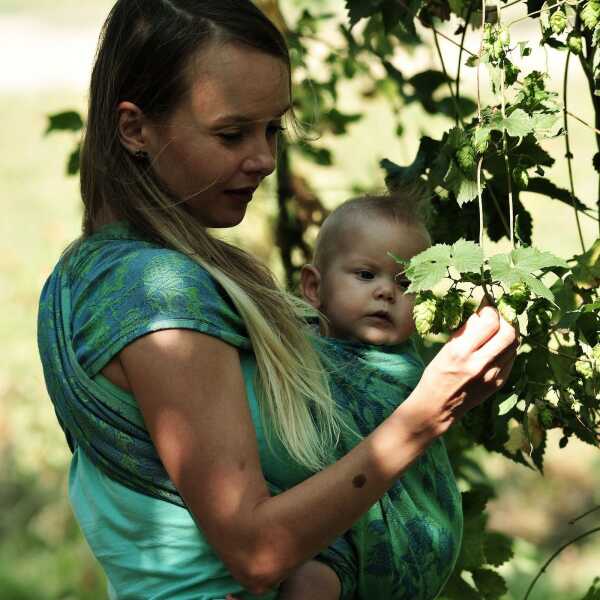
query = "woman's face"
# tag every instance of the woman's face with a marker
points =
(221, 141)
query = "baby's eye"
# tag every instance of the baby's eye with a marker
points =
(363, 274)
(402, 281)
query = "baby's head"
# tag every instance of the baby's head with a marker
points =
(353, 281)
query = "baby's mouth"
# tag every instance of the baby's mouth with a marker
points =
(381, 314)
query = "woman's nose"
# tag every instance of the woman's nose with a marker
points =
(261, 161)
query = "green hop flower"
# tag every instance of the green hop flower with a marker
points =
(425, 313)
(575, 43)
(584, 367)
(504, 37)
(546, 417)
(519, 296)
(590, 14)
(465, 156)
(520, 177)
(481, 139)
(452, 310)
(558, 21)
(506, 309)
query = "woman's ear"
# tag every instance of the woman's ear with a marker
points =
(131, 128)
(310, 285)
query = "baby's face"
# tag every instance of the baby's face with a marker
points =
(363, 289)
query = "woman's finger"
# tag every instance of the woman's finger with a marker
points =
(477, 331)
(504, 340)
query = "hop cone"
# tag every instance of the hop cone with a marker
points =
(575, 43)
(590, 14)
(584, 367)
(465, 156)
(452, 310)
(425, 312)
(519, 296)
(558, 21)
(506, 309)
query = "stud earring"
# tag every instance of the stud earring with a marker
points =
(140, 155)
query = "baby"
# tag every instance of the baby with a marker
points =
(366, 321)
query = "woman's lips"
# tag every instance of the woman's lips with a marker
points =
(242, 194)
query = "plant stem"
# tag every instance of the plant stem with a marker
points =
(569, 155)
(511, 207)
(543, 569)
(455, 100)
(585, 514)
(480, 198)
(462, 47)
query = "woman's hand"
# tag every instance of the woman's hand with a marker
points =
(474, 364)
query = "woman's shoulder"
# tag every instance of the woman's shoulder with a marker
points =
(120, 253)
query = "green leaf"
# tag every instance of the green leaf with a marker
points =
(594, 592)
(74, 161)
(467, 257)
(397, 175)
(545, 125)
(491, 585)
(497, 548)
(532, 259)
(543, 186)
(64, 121)
(360, 9)
(428, 268)
(518, 124)
(507, 405)
(458, 589)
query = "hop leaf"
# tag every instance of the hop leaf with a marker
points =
(558, 21)
(575, 43)
(481, 139)
(584, 367)
(590, 14)
(425, 313)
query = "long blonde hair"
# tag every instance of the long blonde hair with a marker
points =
(142, 55)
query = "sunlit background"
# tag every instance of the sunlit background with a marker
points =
(46, 52)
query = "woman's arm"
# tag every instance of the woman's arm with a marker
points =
(191, 392)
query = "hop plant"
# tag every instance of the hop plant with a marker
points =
(584, 367)
(425, 313)
(519, 296)
(558, 21)
(465, 156)
(590, 14)
(575, 43)
(506, 309)
(452, 310)
(520, 177)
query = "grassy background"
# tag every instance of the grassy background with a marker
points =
(47, 47)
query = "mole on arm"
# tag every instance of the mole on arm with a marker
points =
(359, 481)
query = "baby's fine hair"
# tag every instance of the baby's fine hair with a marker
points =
(405, 205)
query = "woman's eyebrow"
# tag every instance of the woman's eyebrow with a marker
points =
(240, 118)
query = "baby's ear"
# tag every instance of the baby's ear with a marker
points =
(310, 285)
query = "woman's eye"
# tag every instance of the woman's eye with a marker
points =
(365, 275)
(231, 136)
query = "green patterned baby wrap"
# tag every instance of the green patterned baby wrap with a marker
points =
(115, 287)
(406, 545)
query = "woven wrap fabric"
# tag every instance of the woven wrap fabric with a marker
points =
(115, 286)
(406, 545)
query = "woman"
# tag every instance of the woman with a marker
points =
(181, 374)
